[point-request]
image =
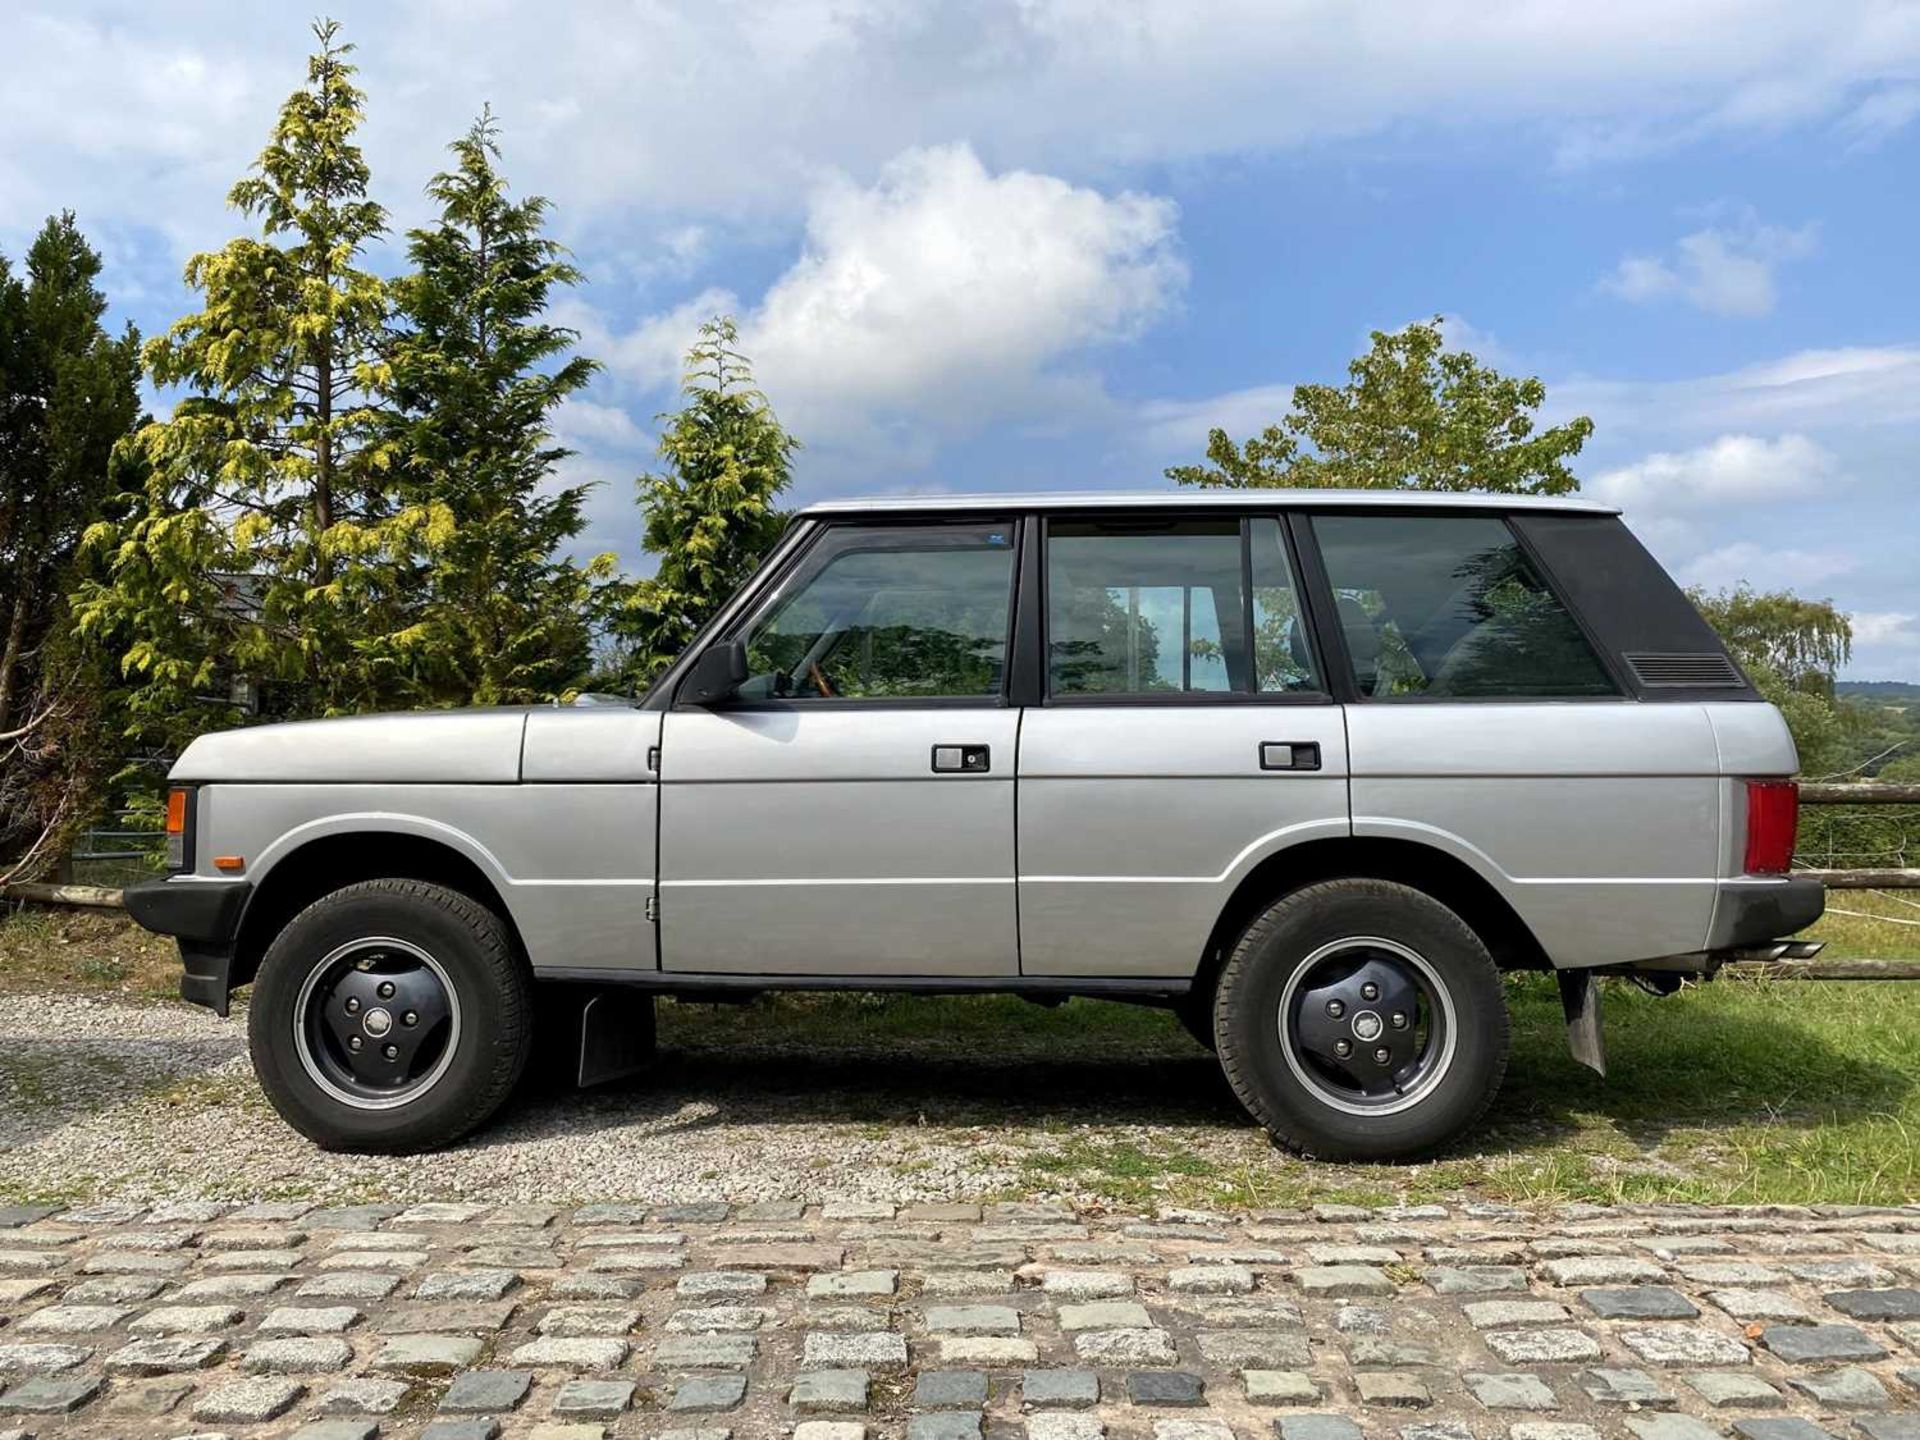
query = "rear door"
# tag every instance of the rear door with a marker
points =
(851, 811)
(1486, 722)
(1183, 735)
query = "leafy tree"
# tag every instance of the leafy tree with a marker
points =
(1799, 641)
(1413, 415)
(267, 541)
(710, 508)
(476, 375)
(67, 396)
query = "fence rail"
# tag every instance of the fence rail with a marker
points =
(1855, 792)
(1858, 792)
(103, 897)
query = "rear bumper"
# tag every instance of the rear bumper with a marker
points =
(1752, 912)
(204, 917)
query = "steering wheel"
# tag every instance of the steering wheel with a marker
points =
(819, 680)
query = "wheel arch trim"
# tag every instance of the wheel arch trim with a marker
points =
(380, 822)
(268, 902)
(1413, 855)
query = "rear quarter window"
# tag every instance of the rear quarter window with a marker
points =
(1451, 607)
(1663, 646)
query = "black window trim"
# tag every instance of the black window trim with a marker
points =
(761, 592)
(1326, 620)
(1147, 519)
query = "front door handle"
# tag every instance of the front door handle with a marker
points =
(1290, 755)
(961, 760)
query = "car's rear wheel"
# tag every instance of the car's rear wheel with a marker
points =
(391, 1015)
(1361, 1020)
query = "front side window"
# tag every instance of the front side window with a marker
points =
(1161, 608)
(1449, 607)
(889, 612)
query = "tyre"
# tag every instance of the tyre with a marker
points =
(390, 1016)
(1361, 1020)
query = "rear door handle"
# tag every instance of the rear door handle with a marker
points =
(962, 759)
(1290, 755)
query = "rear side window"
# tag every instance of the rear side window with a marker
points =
(1164, 608)
(1449, 607)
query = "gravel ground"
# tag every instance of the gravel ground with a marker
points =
(104, 1098)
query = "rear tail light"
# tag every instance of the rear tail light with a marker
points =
(1773, 815)
(179, 803)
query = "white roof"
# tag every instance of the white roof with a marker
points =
(1202, 499)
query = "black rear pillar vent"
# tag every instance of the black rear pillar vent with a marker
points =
(1679, 671)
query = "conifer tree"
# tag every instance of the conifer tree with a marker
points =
(68, 397)
(476, 373)
(270, 541)
(709, 510)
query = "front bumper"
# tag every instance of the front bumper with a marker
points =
(204, 917)
(1755, 912)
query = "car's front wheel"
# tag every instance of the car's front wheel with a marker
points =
(390, 1015)
(1361, 1020)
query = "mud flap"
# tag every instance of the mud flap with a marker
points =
(616, 1036)
(1580, 1000)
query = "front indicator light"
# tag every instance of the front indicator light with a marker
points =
(177, 803)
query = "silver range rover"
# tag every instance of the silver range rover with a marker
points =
(1312, 769)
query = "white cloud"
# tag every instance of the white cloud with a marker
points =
(588, 425)
(1868, 387)
(1730, 470)
(680, 112)
(1884, 627)
(1179, 427)
(1765, 567)
(1882, 114)
(652, 355)
(944, 288)
(943, 295)
(1723, 270)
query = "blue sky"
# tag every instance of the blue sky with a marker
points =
(996, 244)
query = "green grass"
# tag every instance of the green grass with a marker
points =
(1737, 1091)
(88, 951)
(1870, 925)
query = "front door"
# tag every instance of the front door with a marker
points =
(850, 811)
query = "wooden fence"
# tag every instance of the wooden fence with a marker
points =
(1863, 793)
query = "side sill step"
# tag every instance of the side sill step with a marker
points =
(668, 981)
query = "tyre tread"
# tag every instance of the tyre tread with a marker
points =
(511, 999)
(1251, 945)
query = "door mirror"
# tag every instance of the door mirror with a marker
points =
(717, 674)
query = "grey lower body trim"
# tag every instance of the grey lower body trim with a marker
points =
(668, 981)
(1756, 912)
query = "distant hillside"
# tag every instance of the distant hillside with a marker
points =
(1894, 692)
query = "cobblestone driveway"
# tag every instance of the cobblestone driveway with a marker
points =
(947, 1322)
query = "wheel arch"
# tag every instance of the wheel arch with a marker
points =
(1422, 867)
(325, 863)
